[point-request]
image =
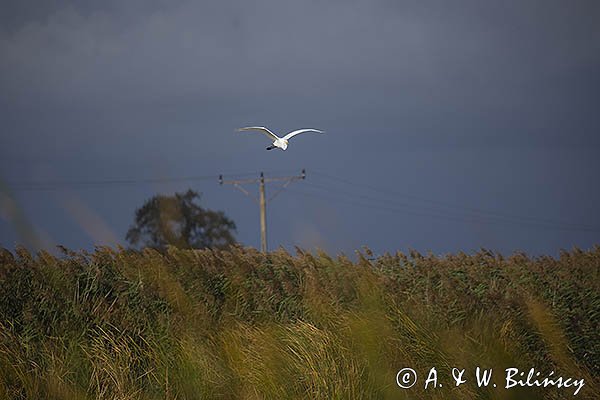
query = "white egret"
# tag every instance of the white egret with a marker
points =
(278, 142)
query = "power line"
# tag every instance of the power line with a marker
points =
(339, 198)
(57, 185)
(262, 201)
(390, 202)
(85, 183)
(469, 211)
(60, 185)
(457, 213)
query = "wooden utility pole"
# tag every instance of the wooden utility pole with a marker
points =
(263, 215)
(262, 200)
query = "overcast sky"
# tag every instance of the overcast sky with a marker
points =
(450, 125)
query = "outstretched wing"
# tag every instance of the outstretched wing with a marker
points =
(262, 129)
(299, 131)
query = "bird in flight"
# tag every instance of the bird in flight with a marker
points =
(278, 142)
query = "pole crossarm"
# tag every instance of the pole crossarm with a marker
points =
(262, 201)
(285, 178)
(236, 181)
(266, 180)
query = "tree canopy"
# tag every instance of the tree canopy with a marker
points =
(180, 221)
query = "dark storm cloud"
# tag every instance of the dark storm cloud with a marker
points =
(498, 56)
(236, 47)
(128, 88)
(230, 49)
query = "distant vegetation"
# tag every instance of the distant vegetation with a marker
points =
(180, 221)
(215, 324)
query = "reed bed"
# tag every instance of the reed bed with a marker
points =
(239, 324)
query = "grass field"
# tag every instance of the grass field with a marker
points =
(117, 324)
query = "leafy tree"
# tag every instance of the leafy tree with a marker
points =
(179, 221)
